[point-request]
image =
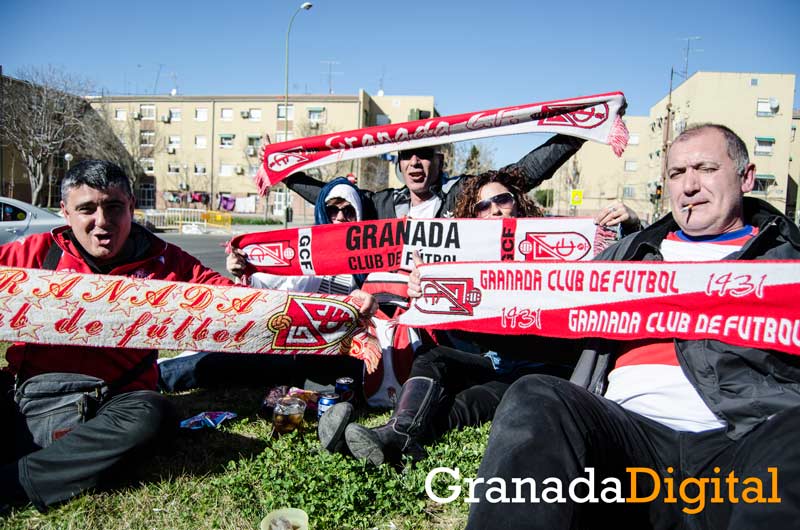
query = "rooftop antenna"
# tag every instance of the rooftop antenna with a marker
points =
(158, 74)
(331, 73)
(380, 80)
(685, 72)
(174, 91)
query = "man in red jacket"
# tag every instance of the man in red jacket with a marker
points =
(100, 237)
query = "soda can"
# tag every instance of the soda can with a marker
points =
(325, 402)
(344, 387)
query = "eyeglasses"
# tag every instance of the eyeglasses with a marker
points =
(348, 211)
(484, 207)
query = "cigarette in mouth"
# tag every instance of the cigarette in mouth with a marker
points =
(686, 208)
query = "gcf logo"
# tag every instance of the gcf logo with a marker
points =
(282, 161)
(448, 296)
(563, 246)
(585, 118)
(278, 254)
(312, 323)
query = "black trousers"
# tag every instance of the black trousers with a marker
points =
(547, 427)
(90, 456)
(472, 389)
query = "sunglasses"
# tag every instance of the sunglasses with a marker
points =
(503, 200)
(348, 211)
(424, 153)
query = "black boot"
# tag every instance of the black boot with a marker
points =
(405, 432)
(332, 425)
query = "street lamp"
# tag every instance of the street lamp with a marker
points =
(304, 6)
(68, 158)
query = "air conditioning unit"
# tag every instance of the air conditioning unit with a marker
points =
(251, 151)
(313, 125)
(245, 114)
(239, 170)
(166, 118)
(171, 150)
(136, 115)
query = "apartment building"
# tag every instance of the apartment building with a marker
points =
(203, 150)
(756, 106)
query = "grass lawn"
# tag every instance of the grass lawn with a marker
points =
(233, 476)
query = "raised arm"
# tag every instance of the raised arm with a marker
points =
(541, 163)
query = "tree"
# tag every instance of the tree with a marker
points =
(42, 119)
(471, 159)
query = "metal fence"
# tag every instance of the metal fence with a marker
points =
(185, 220)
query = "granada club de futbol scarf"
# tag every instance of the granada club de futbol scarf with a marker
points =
(595, 118)
(750, 304)
(384, 245)
(46, 307)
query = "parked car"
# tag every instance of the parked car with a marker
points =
(19, 219)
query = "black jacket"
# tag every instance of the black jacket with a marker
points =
(742, 386)
(537, 166)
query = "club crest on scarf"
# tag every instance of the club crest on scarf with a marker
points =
(277, 254)
(284, 161)
(564, 246)
(585, 118)
(312, 323)
(448, 296)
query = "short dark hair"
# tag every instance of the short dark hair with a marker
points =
(97, 174)
(737, 150)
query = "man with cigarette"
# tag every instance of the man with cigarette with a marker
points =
(694, 411)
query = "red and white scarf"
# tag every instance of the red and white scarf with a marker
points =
(595, 118)
(384, 245)
(47, 307)
(751, 304)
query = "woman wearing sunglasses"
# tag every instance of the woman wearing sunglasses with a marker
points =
(339, 202)
(462, 383)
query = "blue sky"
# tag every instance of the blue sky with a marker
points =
(470, 55)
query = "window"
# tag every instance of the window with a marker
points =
(200, 142)
(252, 169)
(316, 114)
(146, 196)
(763, 182)
(148, 112)
(148, 164)
(226, 114)
(283, 115)
(199, 169)
(175, 114)
(146, 138)
(255, 114)
(764, 108)
(174, 141)
(120, 114)
(281, 195)
(628, 192)
(753, 81)
(226, 140)
(631, 165)
(281, 136)
(764, 146)
(633, 139)
(254, 141)
(12, 213)
(173, 169)
(201, 114)
(226, 170)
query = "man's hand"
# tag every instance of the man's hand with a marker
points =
(618, 213)
(236, 262)
(367, 306)
(414, 283)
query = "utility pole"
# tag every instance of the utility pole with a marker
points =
(665, 143)
(2, 117)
